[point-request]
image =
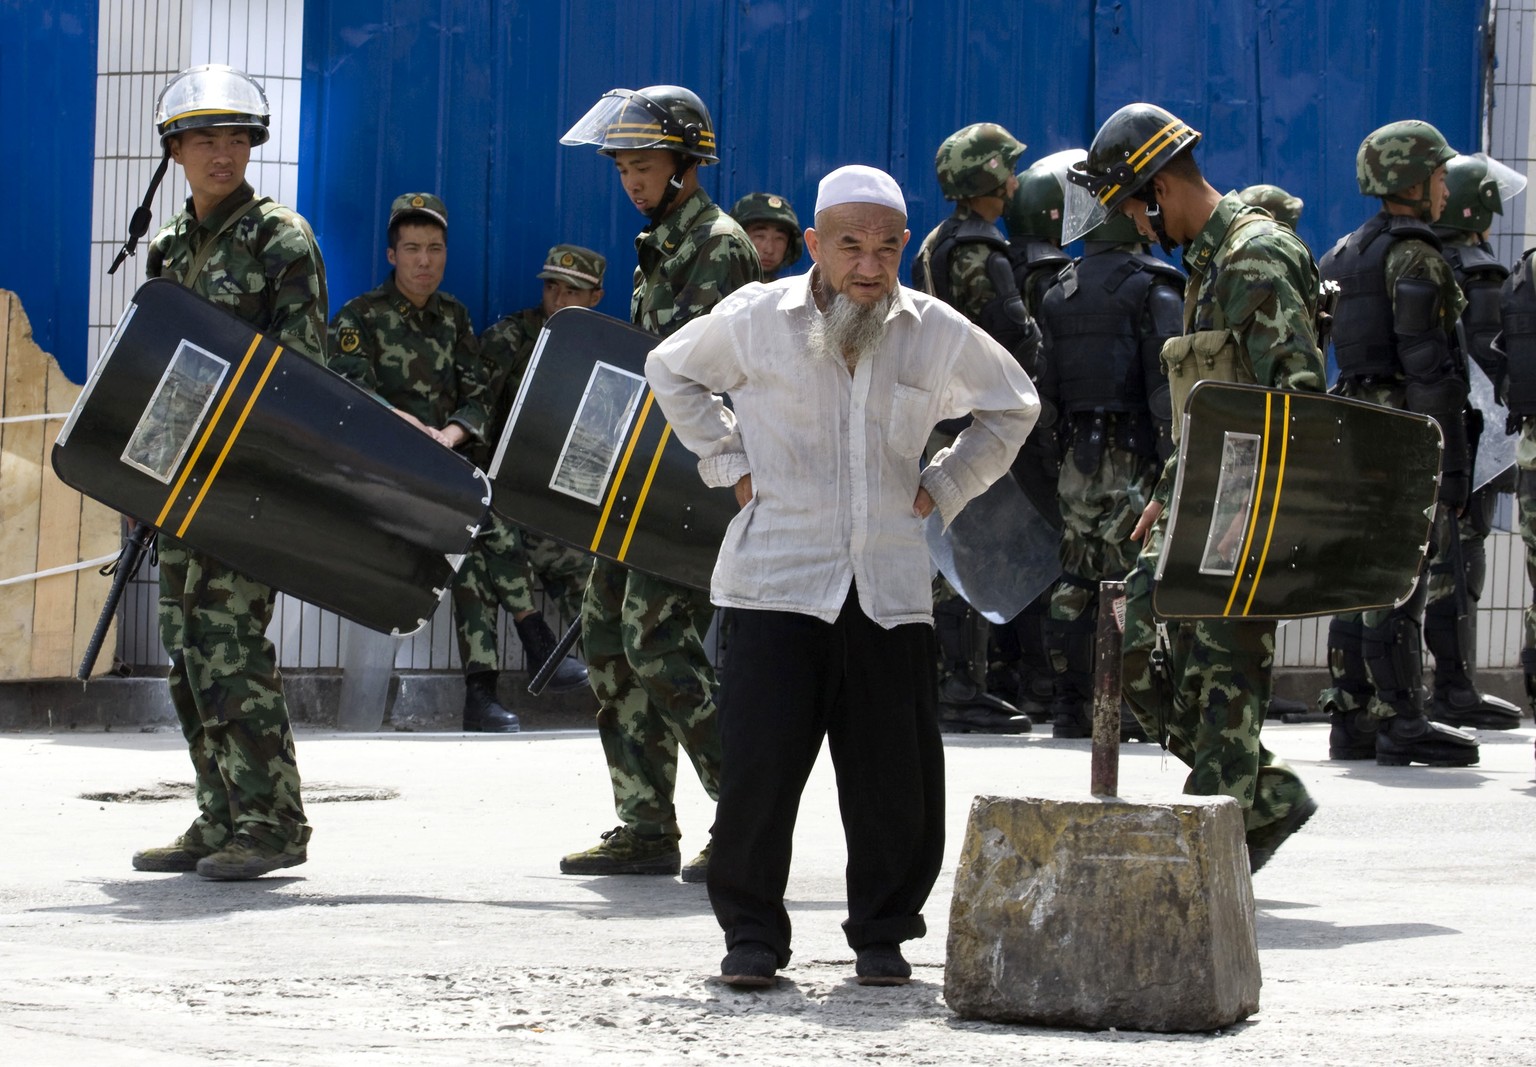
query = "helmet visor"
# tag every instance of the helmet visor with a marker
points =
(624, 120)
(1511, 182)
(211, 91)
(1081, 212)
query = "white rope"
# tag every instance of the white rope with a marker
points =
(65, 569)
(33, 418)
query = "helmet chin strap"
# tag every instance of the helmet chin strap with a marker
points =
(668, 198)
(1155, 219)
(1420, 205)
(138, 226)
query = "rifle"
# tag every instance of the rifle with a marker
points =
(139, 541)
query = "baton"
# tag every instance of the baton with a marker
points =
(552, 664)
(121, 569)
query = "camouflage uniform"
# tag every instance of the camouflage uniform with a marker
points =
(426, 362)
(505, 349)
(643, 637)
(224, 681)
(1208, 686)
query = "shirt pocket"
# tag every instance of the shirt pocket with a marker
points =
(1206, 355)
(907, 427)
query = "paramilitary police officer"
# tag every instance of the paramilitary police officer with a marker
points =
(572, 277)
(259, 260)
(964, 262)
(642, 636)
(1473, 197)
(1517, 305)
(1394, 340)
(1033, 218)
(773, 226)
(413, 346)
(1250, 311)
(1103, 323)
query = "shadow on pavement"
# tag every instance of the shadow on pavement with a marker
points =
(1276, 931)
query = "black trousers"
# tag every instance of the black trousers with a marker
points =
(871, 692)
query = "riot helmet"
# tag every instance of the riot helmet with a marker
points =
(198, 98)
(1133, 144)
(1477, 189)
(212, 95)
(658, 116)
(776, 211)
(976, 160)
(1119, 228)
(1036, 207)
(1398, 156)
(1282, 205)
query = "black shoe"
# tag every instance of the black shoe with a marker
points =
(882, 964)
(1035, 696)
(1070, 719)
(749, 965)
(1468, 707)
(980, 719)
(1351, 735)
(482, 712)
(539, 642)
(1279, 707)
(1263, 841)
(1403, 740)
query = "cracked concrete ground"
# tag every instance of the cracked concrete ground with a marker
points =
(430, 925)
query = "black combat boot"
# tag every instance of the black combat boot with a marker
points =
(1070, 644)
(1352, 733)
(1452, 640)
(1396, 660)
(539, 642)
(482, 712)
(965, 706)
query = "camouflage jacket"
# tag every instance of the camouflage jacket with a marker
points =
(424, 361)
(1263, 288)
(971, 290)
(267, 268)
(1262, 285)
(504, 351)
(688, 263)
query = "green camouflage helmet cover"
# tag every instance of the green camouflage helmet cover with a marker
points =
(976, 160)
(1275, 200)
(1035, 209)
(1399, 155)
(1477, 189)
(775, 210)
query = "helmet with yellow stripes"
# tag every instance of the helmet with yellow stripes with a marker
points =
(212, 95)
(659, 116)
(1133, 144)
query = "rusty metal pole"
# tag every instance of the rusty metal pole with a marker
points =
(1106, 690)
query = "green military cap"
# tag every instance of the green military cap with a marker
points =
(580, 268)
(424, 204)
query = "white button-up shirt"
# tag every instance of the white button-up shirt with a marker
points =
(835, 457)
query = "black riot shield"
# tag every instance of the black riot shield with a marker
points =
(1000, 553)
(588, 459)
(199, 426)
(1295, 504)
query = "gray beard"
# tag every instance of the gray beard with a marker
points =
(847, 331)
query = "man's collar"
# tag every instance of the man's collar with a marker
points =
(1197, 257)
(402, 303)
(231, 203)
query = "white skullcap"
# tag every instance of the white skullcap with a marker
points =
(858, 184)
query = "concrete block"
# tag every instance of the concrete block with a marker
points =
(1103, 913)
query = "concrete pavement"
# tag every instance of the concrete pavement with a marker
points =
(431, 925)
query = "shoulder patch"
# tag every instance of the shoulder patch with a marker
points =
(348, 338)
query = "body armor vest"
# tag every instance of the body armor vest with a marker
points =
(1036, 262)
(1004, 317)
(1095, 329)
(1364, 334)
(1480, 275)
(1518, 304)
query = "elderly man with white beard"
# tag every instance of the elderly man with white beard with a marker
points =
(836, 379)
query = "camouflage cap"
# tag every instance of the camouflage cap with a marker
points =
(976, 160)
(1275, 200)
(1399, 155)
(578, 267)
(424, 204)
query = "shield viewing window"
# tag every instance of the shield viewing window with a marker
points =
(175, 411)
(597, 433)
(1234, 498)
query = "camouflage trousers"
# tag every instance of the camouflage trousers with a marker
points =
(643, 642)
(499, 572)
(1206, 690)
(228, 696)
(1098, 512)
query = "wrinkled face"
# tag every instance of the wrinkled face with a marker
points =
(857, 248)
(644, 175)
(214, 159)
(559, 295)
(772, 244)
(419, 257)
